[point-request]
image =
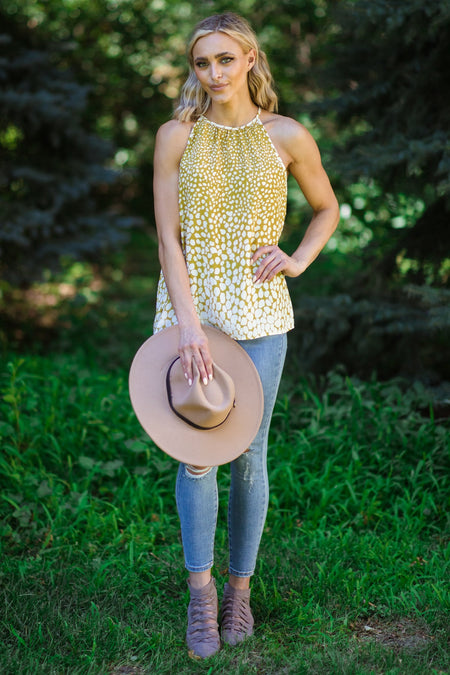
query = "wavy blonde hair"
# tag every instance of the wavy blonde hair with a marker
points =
(194, 101)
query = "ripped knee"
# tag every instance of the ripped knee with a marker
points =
(197, 470)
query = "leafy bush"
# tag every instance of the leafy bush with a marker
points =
(405, 335)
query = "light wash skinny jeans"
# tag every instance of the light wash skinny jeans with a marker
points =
(197, 496)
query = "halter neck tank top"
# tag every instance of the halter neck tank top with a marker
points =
(232, 200)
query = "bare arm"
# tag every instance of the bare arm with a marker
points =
(305, 164)
(193, 345)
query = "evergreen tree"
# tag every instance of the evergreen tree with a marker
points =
(390, 63)
(51, 166)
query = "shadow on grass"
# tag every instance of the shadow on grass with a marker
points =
(101, 312)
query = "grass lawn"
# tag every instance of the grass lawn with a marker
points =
(354, 564)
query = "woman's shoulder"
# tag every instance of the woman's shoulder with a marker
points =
(174, 133)
(288, 134)
(171, 140)
(282, 127)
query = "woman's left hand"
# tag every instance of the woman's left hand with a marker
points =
(274, 262)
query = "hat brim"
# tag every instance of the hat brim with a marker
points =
(147, 386)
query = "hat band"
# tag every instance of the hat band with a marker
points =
(182, 417)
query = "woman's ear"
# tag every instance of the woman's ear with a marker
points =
(251, 59)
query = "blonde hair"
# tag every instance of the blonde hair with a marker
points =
(194, 101)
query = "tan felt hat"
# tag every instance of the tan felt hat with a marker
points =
(204, 425)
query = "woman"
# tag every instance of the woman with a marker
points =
(220, 172)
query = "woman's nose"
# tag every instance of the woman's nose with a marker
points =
(216, 72)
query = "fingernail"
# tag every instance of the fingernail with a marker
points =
(190, 382)
(205, 380)
(186, 375)
(258, 284)
(210, 377)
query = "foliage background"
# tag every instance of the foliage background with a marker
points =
(369, 79)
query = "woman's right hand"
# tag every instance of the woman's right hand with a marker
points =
(194, 347)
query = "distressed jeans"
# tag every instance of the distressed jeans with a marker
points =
(197, 495)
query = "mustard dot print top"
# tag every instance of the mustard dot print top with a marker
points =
(232, 200)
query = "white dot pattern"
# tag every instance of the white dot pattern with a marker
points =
(232, 200)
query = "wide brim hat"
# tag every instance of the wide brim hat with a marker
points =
(158, 390)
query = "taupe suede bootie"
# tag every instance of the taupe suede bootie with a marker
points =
(202, 634)
(235, 615)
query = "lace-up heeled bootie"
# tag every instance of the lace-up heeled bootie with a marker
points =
(202, 634)
(235, 615)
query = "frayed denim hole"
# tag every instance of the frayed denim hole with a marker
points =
(196, 476)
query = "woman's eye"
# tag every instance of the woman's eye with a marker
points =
(204, 64)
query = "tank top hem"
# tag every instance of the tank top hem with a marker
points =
(157, 327)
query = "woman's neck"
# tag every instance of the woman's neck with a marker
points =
(232, 114)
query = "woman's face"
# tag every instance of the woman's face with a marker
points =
(221, 66)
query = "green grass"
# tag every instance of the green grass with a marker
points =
(354, 563)
(353, 570)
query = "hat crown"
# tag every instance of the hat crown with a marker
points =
(202, 406)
